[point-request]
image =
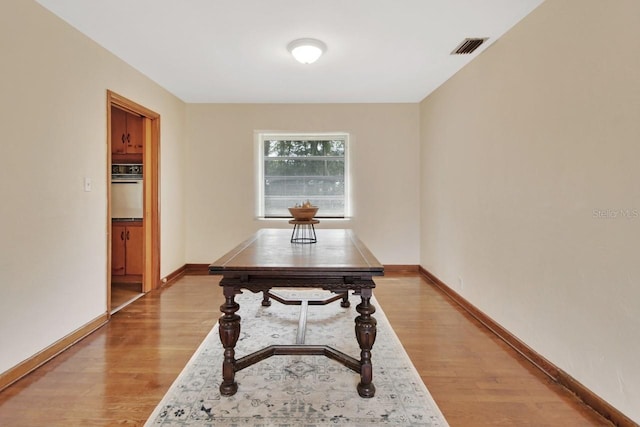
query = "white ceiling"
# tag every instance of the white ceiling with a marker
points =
(226, 51)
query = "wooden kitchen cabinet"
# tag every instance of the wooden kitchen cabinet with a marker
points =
(127, 249)
(126, 132)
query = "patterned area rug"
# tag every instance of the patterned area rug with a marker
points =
(309, 391)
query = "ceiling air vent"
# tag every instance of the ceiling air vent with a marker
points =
(468, 46)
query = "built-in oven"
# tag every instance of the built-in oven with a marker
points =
(127, 192)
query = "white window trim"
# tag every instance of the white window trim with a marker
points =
(306, 136)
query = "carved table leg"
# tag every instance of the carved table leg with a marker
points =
(366, 336)
(345, 300)
(266, 302)
(229, 329)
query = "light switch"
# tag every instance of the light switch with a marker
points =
(87, 184)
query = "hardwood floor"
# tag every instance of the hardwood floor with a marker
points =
(123, 294)
(476, 379)
(117, 375)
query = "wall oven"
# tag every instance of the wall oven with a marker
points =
(127, 192)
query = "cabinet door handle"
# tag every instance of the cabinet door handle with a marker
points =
(128, 138)
(123, 138)
(127, 234)
(122, 235)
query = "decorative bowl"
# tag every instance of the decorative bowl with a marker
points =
(303, 214)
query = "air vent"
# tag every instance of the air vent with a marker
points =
(468, 46)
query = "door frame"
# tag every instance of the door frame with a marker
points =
(151, 184)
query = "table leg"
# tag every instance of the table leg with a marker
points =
(366, 336)
(266, 302)
(345, 300)
(229, 329)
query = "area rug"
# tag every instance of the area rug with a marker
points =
(309, 391)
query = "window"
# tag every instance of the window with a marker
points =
(294, 168)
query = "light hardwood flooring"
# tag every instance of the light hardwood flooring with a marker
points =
(123, 294)
(118, 374)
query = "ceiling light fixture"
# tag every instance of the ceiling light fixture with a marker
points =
(307, 51)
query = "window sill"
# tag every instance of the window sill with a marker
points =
(335, 222)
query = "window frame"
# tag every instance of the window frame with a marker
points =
(300, 136)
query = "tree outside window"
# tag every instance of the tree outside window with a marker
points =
(297, 168)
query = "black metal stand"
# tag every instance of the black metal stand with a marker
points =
(303, 231)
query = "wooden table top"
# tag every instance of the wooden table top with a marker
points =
(269, 251)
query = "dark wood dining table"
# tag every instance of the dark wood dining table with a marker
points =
(338, 262)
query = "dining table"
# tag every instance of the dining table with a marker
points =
(338, 261)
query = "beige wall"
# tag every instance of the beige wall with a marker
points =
(53, 235)
(503, 183)
(527, 153)
(384, 158)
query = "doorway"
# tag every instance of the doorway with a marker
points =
(133, 244)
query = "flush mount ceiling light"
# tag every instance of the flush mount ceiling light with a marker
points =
(307, 51)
